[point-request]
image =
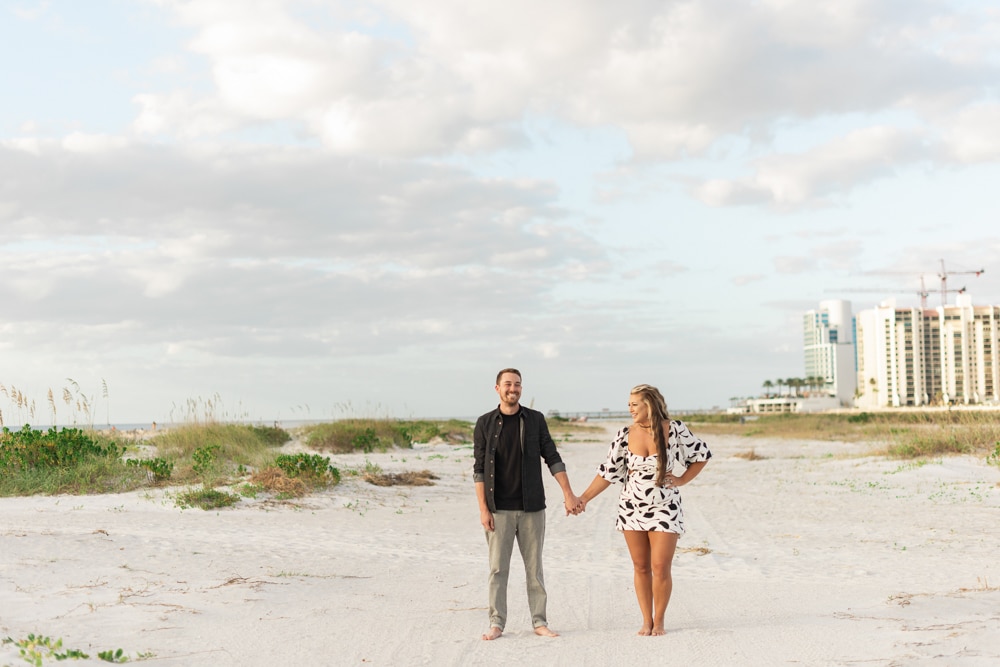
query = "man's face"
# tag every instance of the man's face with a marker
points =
(509, 389)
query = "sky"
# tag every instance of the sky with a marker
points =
(307, 209)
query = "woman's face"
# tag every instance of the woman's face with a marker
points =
(638, 409)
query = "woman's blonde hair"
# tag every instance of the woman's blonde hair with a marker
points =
(657, 407)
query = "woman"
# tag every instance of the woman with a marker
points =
(646, 457)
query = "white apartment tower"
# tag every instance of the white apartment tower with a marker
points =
(909, 356)
(829, 348)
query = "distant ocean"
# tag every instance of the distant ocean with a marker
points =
(148, 426)
(294, 423)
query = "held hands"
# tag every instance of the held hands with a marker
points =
(575, 505)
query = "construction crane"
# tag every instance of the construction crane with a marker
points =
(944, 280)
(942, 276)
(922, 293)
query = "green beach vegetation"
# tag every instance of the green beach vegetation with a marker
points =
(202, 454)
(899, 434)
(69, 461)
(368, 435)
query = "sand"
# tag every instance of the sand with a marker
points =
(818, 554)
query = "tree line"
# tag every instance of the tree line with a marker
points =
(793, 385)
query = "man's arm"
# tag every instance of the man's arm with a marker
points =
(479, 474)
(557, 467)
(570, 500)
(485, 515)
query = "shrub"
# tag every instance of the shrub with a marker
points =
(207, 498)
(312, 466)
(28, 448)
(161, 469)
(349, 435)
(272, 435)
(67, 461)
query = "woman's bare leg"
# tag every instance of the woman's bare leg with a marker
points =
(661, 549)
(639, 550)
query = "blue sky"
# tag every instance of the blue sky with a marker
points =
(305, 209)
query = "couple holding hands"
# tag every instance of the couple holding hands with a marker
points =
(510, 443)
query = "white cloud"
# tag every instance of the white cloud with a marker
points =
(30, 11)
(676, 77)
(834, 168)
(974, 134)
(213, 247)
(79, 142)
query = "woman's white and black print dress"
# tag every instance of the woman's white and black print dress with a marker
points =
(642, 505)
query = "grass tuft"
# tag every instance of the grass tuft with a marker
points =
(409, 478)
(207, 498)
(749, 455)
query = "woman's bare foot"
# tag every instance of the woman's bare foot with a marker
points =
(543, 631)
(494, 633)
(658, 630)
(645, 630)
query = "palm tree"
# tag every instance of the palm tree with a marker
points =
(779, 382)
(794, 384)
(767, 388)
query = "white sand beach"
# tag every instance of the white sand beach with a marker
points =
(815, 555)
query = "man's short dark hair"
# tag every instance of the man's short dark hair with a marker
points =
(508, 370)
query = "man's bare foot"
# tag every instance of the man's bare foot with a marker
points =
(658, 630)
(543, 631)
(494, 633)
(645, 630)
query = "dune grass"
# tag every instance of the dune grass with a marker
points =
(213, 453)
(77, 461)
(67, 461)
(92, 476)
(898, 434)
(368, 435)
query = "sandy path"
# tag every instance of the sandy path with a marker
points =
(813, 558)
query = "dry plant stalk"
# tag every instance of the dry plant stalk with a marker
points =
(701, 551)
(408, 478)
(275, 479)
(750, 455)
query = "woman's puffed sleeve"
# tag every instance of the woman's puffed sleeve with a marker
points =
(691, 448)
(614, 467)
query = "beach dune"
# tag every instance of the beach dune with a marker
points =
(815, 554)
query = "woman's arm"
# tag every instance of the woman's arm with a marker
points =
(595, 488)
(689, 473)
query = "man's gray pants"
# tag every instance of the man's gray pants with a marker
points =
(529, 530)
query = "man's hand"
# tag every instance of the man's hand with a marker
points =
(486, 518)
(573, 504)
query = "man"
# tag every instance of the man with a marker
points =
(509, 445)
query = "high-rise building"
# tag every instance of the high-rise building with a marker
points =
(940, 356)
(829, 349)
